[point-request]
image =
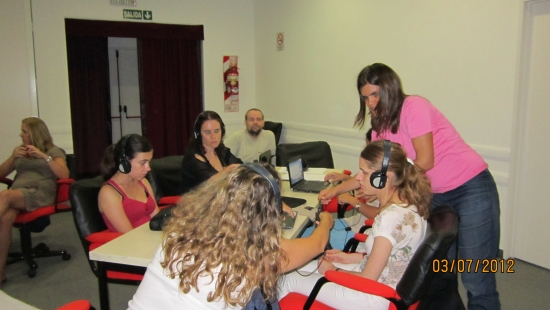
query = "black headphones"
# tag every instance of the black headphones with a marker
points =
(378, 178)
(261, 170)
(124, 165)
(197, 128)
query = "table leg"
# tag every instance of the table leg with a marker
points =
(103, 289)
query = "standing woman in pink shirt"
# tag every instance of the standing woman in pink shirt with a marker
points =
(458, 174)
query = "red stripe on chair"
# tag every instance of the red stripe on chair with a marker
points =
(77, 305)
(26, 217)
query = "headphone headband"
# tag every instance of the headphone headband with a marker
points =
(124, 165)
(261, 170)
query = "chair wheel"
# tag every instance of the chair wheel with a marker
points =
(66, 256)
(31, 273)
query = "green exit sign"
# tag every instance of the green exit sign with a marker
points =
(137, 14)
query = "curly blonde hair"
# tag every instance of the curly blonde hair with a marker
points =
(39, 133)
(229, 225)
(411, 183)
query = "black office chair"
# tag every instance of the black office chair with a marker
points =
(277, 128)
(93, 233)
(165, 179)
(317, 154)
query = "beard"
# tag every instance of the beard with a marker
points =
(253, 132)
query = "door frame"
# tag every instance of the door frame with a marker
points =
(520, 122)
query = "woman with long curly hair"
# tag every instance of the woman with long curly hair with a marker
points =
(222, 243)
(399, 228)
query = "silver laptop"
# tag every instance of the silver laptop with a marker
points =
(297, 181)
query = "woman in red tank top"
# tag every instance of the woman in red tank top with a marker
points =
(127, 200)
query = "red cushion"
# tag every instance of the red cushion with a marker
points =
(369, 222)
(360, 237)
(26, 217)
(348, 172)
(296, 301)
(332, 206)
(169, 200)
(76, 305)
(103, 236)
(124, 275)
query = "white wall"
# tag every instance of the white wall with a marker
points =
(15, 78)
(461, 55)
(228, 30)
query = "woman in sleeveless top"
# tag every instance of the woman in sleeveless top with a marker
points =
(127, 200)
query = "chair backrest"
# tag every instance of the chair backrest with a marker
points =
(317, 154)
(277, 128)
(87, 218)
(165, 176)
(416, 280)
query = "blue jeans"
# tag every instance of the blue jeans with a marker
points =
(477, 204)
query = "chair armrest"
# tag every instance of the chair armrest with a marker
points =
(6, 181)
(361, 284)
(103, 236)
(347, 172)
(65, 181)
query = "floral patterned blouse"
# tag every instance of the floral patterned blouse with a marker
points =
(405, 229)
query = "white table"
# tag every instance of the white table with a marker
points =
(137, 247)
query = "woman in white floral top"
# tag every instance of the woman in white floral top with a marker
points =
(399, 228)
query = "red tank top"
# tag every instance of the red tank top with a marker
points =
(137, 212)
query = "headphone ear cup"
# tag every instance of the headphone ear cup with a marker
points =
(124, 166)
(378, 180)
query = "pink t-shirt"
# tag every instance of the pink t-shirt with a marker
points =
(455, 161)
(137, 212)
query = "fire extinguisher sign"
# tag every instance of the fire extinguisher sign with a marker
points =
(231, 83)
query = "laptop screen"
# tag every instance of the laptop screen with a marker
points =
(295, 171)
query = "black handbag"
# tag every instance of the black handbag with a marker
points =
(157, 222)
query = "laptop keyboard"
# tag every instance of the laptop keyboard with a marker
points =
(312, 186)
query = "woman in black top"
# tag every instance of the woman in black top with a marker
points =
(206, 154)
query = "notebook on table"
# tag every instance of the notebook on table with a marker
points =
(298, 182)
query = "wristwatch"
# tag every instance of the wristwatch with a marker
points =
(48, 159)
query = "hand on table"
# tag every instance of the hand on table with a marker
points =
(287, 210)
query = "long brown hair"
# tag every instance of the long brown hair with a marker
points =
(39, 133)
(388, 110)
(229, 225)
(412, 185)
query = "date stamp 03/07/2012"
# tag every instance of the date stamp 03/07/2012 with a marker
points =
(496, 265)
